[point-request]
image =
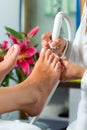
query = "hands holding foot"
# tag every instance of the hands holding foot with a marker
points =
(46, 73)
(70, 70)
(31, 94)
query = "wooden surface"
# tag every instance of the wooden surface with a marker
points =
(69, 85)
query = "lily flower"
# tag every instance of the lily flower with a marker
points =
(25, 58)
(4, 45)
(28, 54)
(33, 31)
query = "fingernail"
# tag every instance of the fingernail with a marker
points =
(15, 46)
(44, 41)
(43, 50)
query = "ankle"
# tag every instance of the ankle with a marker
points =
(28, 94)
(30, 100)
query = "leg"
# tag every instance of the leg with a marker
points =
(46, 73)
(31, 95)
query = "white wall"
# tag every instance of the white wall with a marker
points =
(9, 11)
(38, 17)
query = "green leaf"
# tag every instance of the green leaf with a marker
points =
(14, 33)
(20, 74)
(5, 82)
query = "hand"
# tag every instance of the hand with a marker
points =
(59, 43)
(71, 70)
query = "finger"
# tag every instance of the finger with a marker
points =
(9, 51)
(55, 43)
(44, 43)
(16, 49)
(47, 36)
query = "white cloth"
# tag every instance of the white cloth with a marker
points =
(77, 52)
(84, 82)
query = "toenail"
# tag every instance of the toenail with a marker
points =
(15, 46)
(43, 50)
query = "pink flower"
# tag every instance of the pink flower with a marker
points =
(3, 49)
(33, 31)
(25, 65)
(27, 51)
(23, 42)
(4, 45)
(14, 39)
(25, 58)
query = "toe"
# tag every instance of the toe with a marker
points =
(47, 54)
(51, 58)
(58, 68)
(13, 52)
(55, 60)
(16, 50)
(42, 53)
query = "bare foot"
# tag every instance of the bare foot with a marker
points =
(72, 71)
(40, 83)
(9, 61)
(47, 68)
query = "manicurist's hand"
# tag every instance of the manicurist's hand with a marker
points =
(59, 43)
(71, 70)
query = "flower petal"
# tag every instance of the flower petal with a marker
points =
(25, 67)
(30, 61)
(13, 39)
(27, 42)
(30, 52)
(33, 31)
(5, 45)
